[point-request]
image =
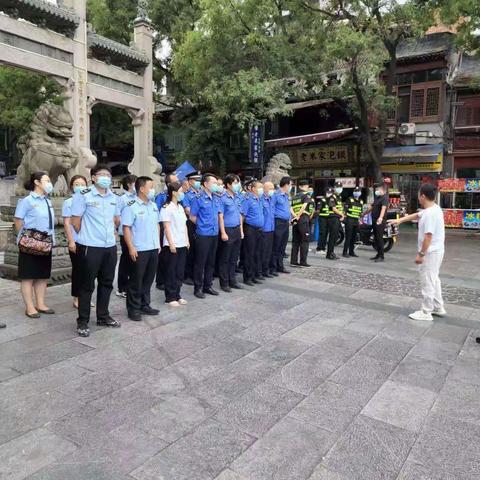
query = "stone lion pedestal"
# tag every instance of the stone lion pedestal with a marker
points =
(61, 266)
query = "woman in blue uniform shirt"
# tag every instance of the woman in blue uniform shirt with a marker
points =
(77, 184)
(35, 211)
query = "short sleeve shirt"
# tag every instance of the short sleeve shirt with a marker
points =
(206, 208)
(231, 209)
(431, 221)
(282, 205)
(67, 213)
(252, 210)
(143, 219)
(177, 219)
(378, 203)
(268, 214)
(98, 214)
(122, 202)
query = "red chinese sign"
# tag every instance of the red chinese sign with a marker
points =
(451, 185)
(453, 218)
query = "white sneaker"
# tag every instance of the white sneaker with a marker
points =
(118, 293)
(182, 301)
(322, 252)
(422, 316)
(173, 304)
(440, 312)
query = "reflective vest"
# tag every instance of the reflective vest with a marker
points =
(298, 201)
(339, 204)
(323, 209)
(355, 208)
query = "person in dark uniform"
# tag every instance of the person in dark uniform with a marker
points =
(302, 207)
(283, 214)
(335, 216)
(353, 212)
(243, 195)
(140, 220)
(379, 219)
(322, 212)
(125, 264)
(160, 201)
(204, 213)
(252, 211)
(194, 189)
(95, 215)
(231, 231)
(268, 228)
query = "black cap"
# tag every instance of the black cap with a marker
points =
(357, 189)
(303, 183)
(338, 184)
(249, 181)
(330, 190)
(194, 175)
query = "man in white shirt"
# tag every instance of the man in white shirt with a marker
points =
(431, 248)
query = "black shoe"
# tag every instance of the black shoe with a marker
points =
(160, 286)
(379, 259)
(305, 265)
(353, 255)
(83, 332)
(237, 286)
(274, 274)
(108, 322)
(260, 277)
(374, 258)
(239, 270)
(188, 281)
(332, 256)
(283, 270)
(269, 275)
(226, 289)
(3, 325)
(135, 317)
(249, 283)
(294, 264)
(346, 255)
(199, 294)
(257, 281)
(150, 311)
(210, 291)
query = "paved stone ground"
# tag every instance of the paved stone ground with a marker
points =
(301, 378)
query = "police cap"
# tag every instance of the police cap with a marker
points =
(357, 189)
(330, 190)
(194, 176)
(338, 185)
(303, 183)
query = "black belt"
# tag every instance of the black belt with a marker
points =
(281, 220)
(251, 226)
(237, 226)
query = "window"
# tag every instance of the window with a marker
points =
(416, 104)
(468, 114)
(420, 76)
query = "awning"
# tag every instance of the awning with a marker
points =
(412, 159)
(313, 137)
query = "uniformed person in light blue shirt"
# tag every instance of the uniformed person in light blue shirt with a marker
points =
(125, 264)
(204, 213)
(35, 213)
(95, 217)
(141, 229)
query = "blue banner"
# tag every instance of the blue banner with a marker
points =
(256, 144)
(471, 219)
(472, 184)
(183, 170)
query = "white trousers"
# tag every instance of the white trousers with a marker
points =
(430, 282)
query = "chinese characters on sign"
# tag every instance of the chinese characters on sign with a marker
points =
(459, 185)
(471, 219)
(472, 184)
(256, 144)
(453, 218)
(319, 156)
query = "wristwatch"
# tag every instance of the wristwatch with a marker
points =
(422, 254)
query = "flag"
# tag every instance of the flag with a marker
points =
(183, 170)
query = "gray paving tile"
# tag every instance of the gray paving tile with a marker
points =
(361, 369)
(263, 332)
(258, 410)
(466, 371)
(422, 373)
(332, 407)
(385, 349)
(159, 383)
(415, 471)
(404, 330)
(322, 473)
(448, 333)
(403, 406)
(438, 351)
(345, 343)
(449, 446)
(215, 332)
(279, 352)
(7, 372)
(311, 332)
(289, 451)
(230, 475)
(370, 450)
(203, 454)
(29, 453)
(470, 348)
(226, 351)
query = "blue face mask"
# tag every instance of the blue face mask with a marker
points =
(151, 194)
(104, 182)
(289, 189)
(260, 191)
(180, 196)
(48, 188)
(196, 185)
(214, 188)
(378, 193)
(338, 191)
(236, 187)
(357, 194)
(78, 188)
(271, 193)
(220, 188)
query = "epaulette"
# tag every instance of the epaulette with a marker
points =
(118, 194)
(130, 203)
(165, 205)
(86, 190)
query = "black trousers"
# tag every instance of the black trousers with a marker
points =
(161, 265)
(351, 231)
(74, 258)
(190, 262)
(141, 280)
(280, 240)
(124, 266)
(205, 251)
(300, 240)
(174, 272)
(251, 268)
(322, 238)
(378, 236)
(95, 263)
(333, 229)
(267, 246)
(229, 252)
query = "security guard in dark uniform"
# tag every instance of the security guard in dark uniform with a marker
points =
(322, 212)
(353, 211)
(335, 216)
(95, 215)
(204, 213)
(140, 220)
(195, 188)
(302, 208)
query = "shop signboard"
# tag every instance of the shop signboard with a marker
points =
(453, 218)
(472, 185)
(451, 185)
(319, 156)
(350, 182)
(471, 219)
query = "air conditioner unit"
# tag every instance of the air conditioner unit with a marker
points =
(406, 129)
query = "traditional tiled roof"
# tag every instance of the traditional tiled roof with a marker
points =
(58, 18)
(117, 53)
(468, 71)
(433, 45)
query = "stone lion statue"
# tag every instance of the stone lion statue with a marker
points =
(277, 167)
(46, 147)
